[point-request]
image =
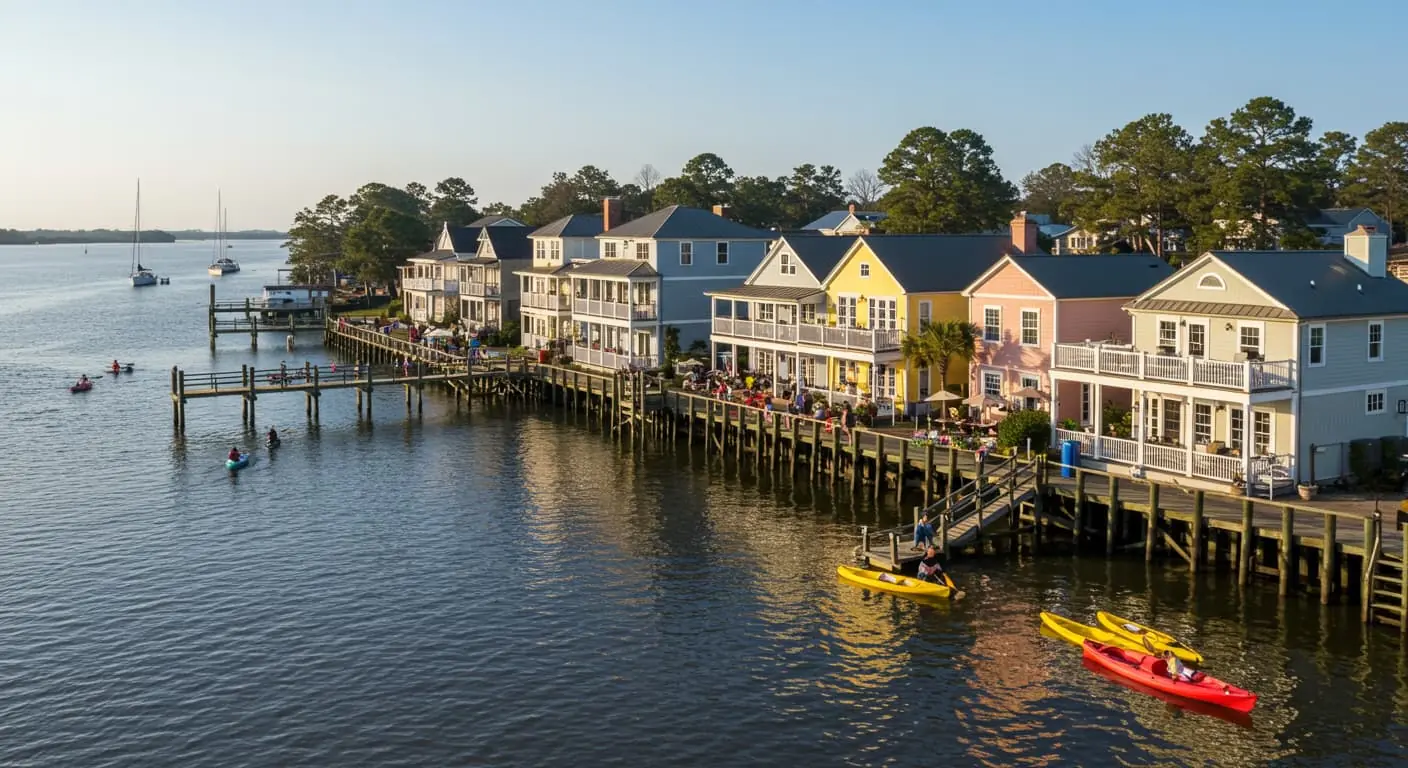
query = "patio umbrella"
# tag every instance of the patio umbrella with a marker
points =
(983, 401)
(942, 396)
(1032, 392)
(439, 333)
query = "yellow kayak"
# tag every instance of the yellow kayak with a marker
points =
(891, 582)
(1077, 633)
(1159, 641)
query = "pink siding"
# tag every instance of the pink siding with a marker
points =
(1009, 356)
(1094, 319)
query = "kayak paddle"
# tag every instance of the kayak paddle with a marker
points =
(957, 593)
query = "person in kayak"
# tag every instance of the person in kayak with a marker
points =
(929, 568)
(273, 436)
(1177, 670)
(83, 380)
(923, 533)
(234, 454)
(116, 367)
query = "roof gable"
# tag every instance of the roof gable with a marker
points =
(507, 242)
(1318, 284)
(574, 225)
(817, 254)
(461, 240)
(933, 263)
(679, 222)
(834, 220)
(496, 220)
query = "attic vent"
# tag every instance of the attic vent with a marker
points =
(1359, 287)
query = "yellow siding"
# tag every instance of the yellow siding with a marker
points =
(847, 281)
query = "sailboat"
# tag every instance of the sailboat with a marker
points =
(223, 265)
(140, 275)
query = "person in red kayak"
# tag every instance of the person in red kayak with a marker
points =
(234, 454)
(115, 367)
(1177, 670)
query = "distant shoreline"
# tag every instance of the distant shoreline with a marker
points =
(107, 236)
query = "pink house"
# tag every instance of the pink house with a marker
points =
(1024, 305)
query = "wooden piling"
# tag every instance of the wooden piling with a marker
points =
(1151, 531)
(1080, 509)
(928, 473)
(1248, 544)
(1370, 566)
(1195, 536)
(1285, 555)
(1327, 560)
(900, 471)
(1112, 517)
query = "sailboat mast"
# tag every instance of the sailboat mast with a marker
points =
(137, 229)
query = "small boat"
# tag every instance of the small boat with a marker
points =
(1243, 719)
(1152, 671)
(125, 368)
(235, 466)
(223, 267)
(140, 276)
(1076, 633)
(82, 386)
(275, 443)
(1157, 641)
(890, 582)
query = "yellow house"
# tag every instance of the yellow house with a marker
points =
(887, 286)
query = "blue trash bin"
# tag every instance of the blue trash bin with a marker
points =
(1070, 457)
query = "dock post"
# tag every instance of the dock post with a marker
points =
(316, 394)
(894, 551)
(357, 373)
(253, 382)
(1286, 556)
(900, 470)
(175, 401)
(575, 391)
(796, 429)
(407, 386)
(814, 452)
(1195, 543)
(1080, 508)
(244, 401)
(776, 437)
(1327, 560)
(1370, 564)
(1248, 544)
(1151, 530)
(929, 473)
(723, 430)
(420, 388)
(943, 530)
(865, 542)
(878, 473)
(181, 388)
(856, 468)
(760, 446)
(740, 428)
(1403, 583)
(369, 392)
(835, 454)
(1112, 518)
(951, 480)
(213, 331)
(616, 409)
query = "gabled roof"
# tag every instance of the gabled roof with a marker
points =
(433, 256)
(833, 219)
(463, 239)
(509, 242)
(1318, 284)
(1337, 217)
(818, 253)
(779, 292)
(574, 225)
(937, 263)
(496, 220)
(1056, 230)
(547, 271)
(615, 268)
(1102, 276)
(680, 222)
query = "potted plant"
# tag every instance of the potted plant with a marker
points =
(1239, 485)
(1307, 491)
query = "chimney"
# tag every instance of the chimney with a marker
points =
(721, 210)
(1024, 232)
(1368, 250)
(851, 208)
(610, 213)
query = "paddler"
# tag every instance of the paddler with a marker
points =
(929, 568)
(1177, 670)
(234, 454)
(115, 367)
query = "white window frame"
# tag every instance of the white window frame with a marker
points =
(721, 252)
(686, 253)
(1022, 327)
(1383, 402)
(926, 313)
(1260, 337)
(785, 264)
(852, 303)
(882, 314)
(865, 270)
(1310, 345)
(1219, 283)
(609, 249)
(1087, 396)
(806, 313)
(1187, 334)
(998, 326)
(1236, 432)
(1032, 380)
(1202, 436)
(1270, 432)
(540, 249)
(643, 250)
(1369, 340)
(983, 375)
(1159, 333)
(555, 249)
(767, 312)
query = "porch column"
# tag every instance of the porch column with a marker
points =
(1185, 428)
(1055, 405)
(1248, 440)
(1136, 425)
(1097, 415)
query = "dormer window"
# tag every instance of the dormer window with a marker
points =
(608, 249)
(785, 265)
(643, 251)
(865, 270)
(555, 250)
(540, 250)
(1211, 282)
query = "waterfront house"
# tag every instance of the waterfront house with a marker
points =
(652, 275)
(847, 222)
(545, 288)
(430, 282)
(1024, 305)
(488, 287)
(1258, 367)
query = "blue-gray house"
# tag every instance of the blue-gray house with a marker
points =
(653, 274)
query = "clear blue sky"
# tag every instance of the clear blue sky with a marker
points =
(279, 103)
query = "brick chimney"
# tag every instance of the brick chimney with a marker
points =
(1024, 231)
(1368, 250)
(722, 210)
(611, 215)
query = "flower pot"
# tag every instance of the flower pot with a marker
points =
(1307, 491)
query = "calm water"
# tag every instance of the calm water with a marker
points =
(508, 588)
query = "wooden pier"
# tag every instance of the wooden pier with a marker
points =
(978, 503)
(256, 316)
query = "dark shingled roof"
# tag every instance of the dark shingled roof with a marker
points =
(1097, 276)
(1339, 289)
(464, 239)
(491, 220)
(615, 268)
(510, 242)
(938, 262)
(779, 292)
(679, 222)
(819, 253)
(575, 225)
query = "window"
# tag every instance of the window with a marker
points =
(1236, 425)
(1376, 341)
(846, 312)
(1197, 339)
(1031, 327)
(882, 381)
(1212, 282)
(926, 311)
(686, 254)
(555, 250)
(786, 265)
(1374, 401)
(882, 314)
(992, 323)
(992, 383)
(1029, 403)
(1249, 340)
(767, 312)
(540, 249)
(643, 251)
(1151, 420)
(1168, 334)
(1085, 394)
(609, 250)
(1173, 419)
(808, 313)
(924, 374)
(1315, 354)
(721, 253)
(1261, 433)
(865, 270)
(1202, 424)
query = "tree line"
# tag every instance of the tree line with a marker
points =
(1254, 178)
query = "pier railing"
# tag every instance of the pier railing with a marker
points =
(242, 380)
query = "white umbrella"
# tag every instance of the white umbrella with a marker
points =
(439, 333)
(1032, 392)
(942, 396)
(983, 401)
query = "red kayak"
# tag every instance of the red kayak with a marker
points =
(1152, 671)
(84, 387)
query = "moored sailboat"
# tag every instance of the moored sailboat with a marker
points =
(140, 275)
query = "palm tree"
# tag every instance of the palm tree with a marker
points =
(937, 344)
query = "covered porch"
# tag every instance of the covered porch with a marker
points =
(614, 347)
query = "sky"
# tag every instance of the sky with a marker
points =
(278, 103)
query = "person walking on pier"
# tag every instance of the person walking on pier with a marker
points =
(923, 533)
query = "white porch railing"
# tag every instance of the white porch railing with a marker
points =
(1125, 361)
(481, 289)
(755, 329)
(1193, 462)
(1167, 458)
(859, 339)
(610, 360)
(429, 284)
(1215, 467)
(599, 308)
(549, 301)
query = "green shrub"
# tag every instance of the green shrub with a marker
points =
(394, 308)
(1070, 425)
(1019, 426)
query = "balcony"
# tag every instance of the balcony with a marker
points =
(610, 360)
(614, 309)
(1125, 362)
(1191, 462)
(430, 284)
(552, 302)
(854, 339)
(755, 329)
(488, 290)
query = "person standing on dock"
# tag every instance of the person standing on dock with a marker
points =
(923, 534)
